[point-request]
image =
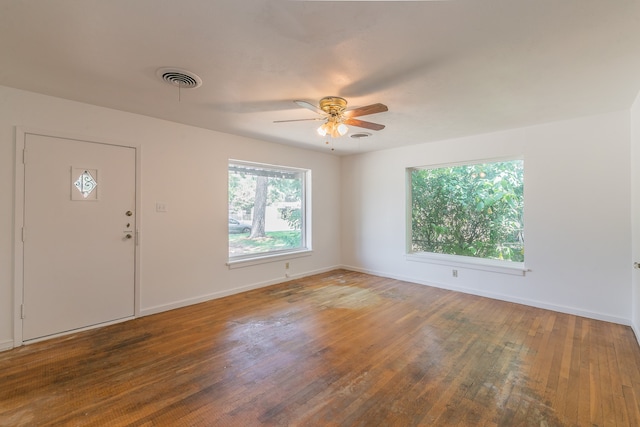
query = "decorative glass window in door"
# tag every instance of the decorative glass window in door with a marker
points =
(85, 184)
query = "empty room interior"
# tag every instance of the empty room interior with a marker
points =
(320, 213)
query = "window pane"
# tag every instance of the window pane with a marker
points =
(265, 210)
(472, 210)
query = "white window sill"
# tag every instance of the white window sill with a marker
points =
(492, 265)
(267, 258)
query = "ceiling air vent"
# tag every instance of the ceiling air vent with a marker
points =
(360, 135)
(181, 78)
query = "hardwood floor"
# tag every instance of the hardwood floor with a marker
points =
(336, 349)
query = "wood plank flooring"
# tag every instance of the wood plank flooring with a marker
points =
(336, 349)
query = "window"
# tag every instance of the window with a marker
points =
(267, 210)
(473, 210)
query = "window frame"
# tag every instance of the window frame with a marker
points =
(283, 254)
(460, 261)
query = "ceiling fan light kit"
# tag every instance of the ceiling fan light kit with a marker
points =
(332, 128)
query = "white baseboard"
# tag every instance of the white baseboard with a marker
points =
(220, 294)
(533, 303)
(636, 331)
(75, 331)
(6, 345)
(9, 344)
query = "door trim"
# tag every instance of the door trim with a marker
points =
(18, 222)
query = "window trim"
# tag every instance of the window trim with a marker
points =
(271, 257)
(471, 263)
(305, 228)
(461, 261)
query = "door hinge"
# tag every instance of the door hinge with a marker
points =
(22, 311)
(24, 235)
(24, 156)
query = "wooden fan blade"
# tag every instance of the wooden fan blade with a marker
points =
(308, 106)
(363, 124)
(298, 120)
(369, 109)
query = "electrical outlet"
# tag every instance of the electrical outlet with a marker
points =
(455, 273)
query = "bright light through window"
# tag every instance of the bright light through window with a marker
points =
(266, 210)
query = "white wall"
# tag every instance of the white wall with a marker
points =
(183, 251)
(578, 204)
(577, 215)
(635, 213)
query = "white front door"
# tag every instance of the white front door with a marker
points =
(79, 234)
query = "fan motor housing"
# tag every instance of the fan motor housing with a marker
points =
(333, 105)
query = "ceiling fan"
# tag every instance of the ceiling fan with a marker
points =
(333, 110)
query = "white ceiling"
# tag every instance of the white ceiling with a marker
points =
(444, 68)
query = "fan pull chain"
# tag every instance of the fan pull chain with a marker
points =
(332, 149)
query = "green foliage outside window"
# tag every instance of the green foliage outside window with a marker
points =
(472, 210)
(292, 216)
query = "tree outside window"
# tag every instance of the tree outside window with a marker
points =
(472, 210)
(266, 209)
